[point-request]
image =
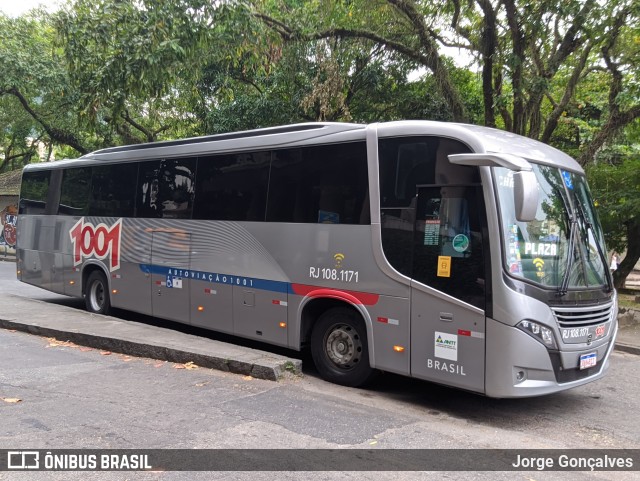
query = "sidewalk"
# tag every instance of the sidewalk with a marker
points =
(629, 339)
(629, 331)
(137, 339)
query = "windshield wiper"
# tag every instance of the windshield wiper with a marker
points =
(562, 290)
(603, 258)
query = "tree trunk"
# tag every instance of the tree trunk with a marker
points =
(517, 67)
(632, 256)
(489, 42)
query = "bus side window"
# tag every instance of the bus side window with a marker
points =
(33, 192)
(74, 192)
(321, 184)
(166, 188)
(147, 190)
(112, 190)
(232, 186)
(405, 163)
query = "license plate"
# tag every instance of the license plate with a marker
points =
(588, 360)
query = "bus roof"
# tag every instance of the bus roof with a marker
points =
(479, 139)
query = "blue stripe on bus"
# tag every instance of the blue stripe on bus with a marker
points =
(217, 278)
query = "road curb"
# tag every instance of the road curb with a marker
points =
(627, 348)
(271, 371)
(139, 340)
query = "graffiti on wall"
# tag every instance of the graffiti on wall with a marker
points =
(8, 219)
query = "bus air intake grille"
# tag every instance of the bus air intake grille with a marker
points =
(582, 316)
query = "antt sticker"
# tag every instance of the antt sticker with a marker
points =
(99, 241)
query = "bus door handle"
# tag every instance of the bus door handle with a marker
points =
(446, 317)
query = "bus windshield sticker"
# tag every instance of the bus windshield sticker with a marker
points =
(174, 282)
(567, 179)
(431, 232)
(446, 346)
(460, 243)
(326, 217)
(444, 266)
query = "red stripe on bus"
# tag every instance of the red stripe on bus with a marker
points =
(462, 332)
(353, 297)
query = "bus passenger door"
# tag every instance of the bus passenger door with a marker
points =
(170, 259)
(448, 286)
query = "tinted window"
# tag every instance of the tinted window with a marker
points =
(232, 186)
(405, 163)
(33, 192)
(113, 190)
(449, 228)
(166, 188)
(74, 192)
(321, 184)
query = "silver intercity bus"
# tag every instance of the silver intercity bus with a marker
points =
(462, 255)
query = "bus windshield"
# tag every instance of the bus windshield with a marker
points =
(563, 247)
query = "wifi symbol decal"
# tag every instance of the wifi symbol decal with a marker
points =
(539, 263)
(339, 258)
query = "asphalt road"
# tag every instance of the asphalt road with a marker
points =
(73, 397)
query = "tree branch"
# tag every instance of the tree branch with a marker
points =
(56, 135)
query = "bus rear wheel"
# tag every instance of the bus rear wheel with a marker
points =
(96, 294)
(339, 348)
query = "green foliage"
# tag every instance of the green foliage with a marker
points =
(614, 185)
(108, 72)
(35, 101)
(118, 50)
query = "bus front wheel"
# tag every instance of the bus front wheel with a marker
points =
(96, 294)
(339, 348)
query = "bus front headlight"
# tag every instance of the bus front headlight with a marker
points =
(540, 332)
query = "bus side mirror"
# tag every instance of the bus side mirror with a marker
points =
(525, 195)
(525, 185)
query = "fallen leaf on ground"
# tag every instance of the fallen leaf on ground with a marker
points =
(159, 364)
(247, 378)
(86, 349)
(105, 353)
(11, 399)
(186, 365)
(53, 342)
(200, 384)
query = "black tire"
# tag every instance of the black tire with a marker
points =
(96, 293)
(339, 348)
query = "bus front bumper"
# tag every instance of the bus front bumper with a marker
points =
(517, 365)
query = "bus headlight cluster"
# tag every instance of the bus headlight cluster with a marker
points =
(540, 332)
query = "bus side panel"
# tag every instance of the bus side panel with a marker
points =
(170, 281)
(131, 277)
(337, 262)
(41, 265)
(391, 328)
(211, 306)
(236, 282)
(260, 314)
(447, 342)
